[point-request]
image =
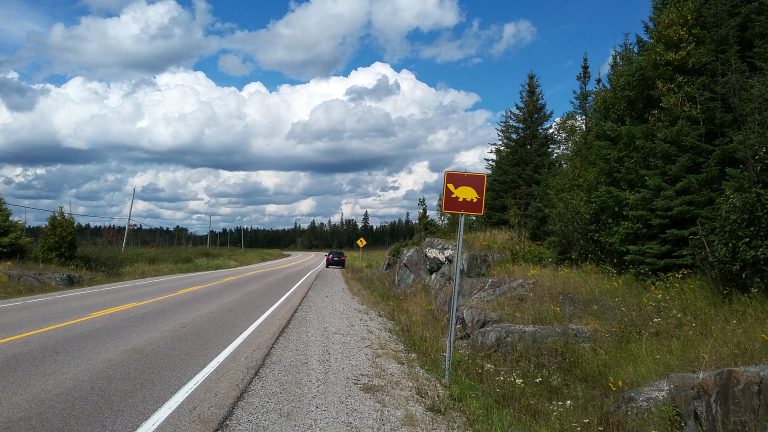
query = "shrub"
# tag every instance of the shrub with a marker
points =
(58, 242)
(741, 237)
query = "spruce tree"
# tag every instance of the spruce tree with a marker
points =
(521, 161)
(13, 244)
(568, 203)
(58, 242)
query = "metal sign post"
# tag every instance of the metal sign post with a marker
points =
(454, 300)
(463, 193)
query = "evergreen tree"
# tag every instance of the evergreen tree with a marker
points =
(442, 217)
(521, 160)
(13, 244)
(583, 98)
(366, 229)
(424, 225)
(58, 242)
(666, 139)
(569, 208)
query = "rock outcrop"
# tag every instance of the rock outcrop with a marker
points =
(37, 279)
(433, 263)
(731, 399)
(504, 336)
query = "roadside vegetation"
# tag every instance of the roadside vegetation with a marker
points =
(100, 264)
(58, 250)
(643, 330)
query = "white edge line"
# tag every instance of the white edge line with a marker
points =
(161, 414)
(161, 279)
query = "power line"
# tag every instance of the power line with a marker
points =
(89, 216)
(73, 214)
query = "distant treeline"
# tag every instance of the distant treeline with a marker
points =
(322, 235)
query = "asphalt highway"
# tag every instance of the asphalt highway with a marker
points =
(168, 354)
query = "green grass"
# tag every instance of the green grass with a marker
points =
(102, 265)
(642, 331)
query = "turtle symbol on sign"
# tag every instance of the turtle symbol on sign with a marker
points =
(463, 193)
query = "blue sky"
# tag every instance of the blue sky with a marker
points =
(265, 113)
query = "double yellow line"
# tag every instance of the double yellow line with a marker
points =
(110, 311)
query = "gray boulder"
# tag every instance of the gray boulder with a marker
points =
(504, 336)
(437, 253)
(472, 319)
(410, 268)
(388, 264)
(440, 286)
(473, 290)
(731, 399)
(485, 290)
(478, 264)
(37, 279)
(643, 400)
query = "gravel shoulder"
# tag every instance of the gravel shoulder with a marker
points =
(336, 367)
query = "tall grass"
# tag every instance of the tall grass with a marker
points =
(137, 263)
(641, 332)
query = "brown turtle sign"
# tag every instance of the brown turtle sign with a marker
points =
(464, 193)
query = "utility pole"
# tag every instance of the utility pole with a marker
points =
(242, 237)
(227, 238)
(128, 224)
(209, 231)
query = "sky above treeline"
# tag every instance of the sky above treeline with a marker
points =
(267, 113)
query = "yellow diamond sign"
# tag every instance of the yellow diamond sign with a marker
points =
(361, 242)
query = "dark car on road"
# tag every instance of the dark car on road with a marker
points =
(335, 258)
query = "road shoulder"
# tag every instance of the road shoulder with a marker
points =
(337, 367)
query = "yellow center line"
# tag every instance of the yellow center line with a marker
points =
(114, 309)
(110, 311)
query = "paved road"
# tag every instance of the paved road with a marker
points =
(159, 353)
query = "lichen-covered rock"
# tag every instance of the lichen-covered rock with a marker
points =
(489, 289)
(504, 336)
(388, 264)
(478, 264)
(410, 267)
(643, 400)
(437, 253)
(440, 286)
(472, 319)
(472, 291)
(37, 278)
(731, 399)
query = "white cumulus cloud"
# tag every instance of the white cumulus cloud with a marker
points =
(143, 39)
(374, 139)
(314, 38)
